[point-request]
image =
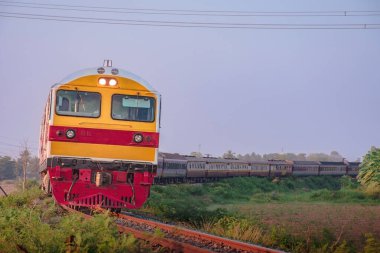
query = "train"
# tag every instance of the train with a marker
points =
(176, 168)
(99, 139)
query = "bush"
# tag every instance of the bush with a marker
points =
(30, 222)
(177, 204)
(371, 244)
(348, 182)
(342, 196)
(99, 234)
(369, 173)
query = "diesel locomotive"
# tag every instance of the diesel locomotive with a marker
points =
(99, 139)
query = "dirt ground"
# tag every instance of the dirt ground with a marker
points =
(346, 221)
(9, 186)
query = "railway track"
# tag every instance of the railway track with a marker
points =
(178, 239)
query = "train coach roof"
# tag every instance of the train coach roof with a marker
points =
(332, 163)
(259, 162)
(195, 159)
(94, 71)
(280, 162)
(172, 156)
(218, 160)
(236, 161)
(305, 163)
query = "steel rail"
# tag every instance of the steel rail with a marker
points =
(185, 245)
(241, 246)
(153, 240)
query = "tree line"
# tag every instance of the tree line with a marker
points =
(334, 156)
(24, 166)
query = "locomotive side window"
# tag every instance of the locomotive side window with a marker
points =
(133, 108)
(78, 103)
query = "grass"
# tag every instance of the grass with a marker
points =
(189, 202)
(309, 220)
(310, 214)
(30, 222)
(313, 214)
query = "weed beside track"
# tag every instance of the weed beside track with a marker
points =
(31, 222)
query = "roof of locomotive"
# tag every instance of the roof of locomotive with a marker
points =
(108, 71)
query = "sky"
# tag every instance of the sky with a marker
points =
(245, 90)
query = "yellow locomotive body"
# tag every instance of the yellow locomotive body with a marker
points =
(100, 132)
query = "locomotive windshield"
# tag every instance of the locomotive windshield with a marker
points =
(133, 108)
(78, 103)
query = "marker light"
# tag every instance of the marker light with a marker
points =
(70, 134)
(101, 70)
(102, 81)
(115, 71)
(112, 82)
(138, 138)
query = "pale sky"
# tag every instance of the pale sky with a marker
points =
(247, 90)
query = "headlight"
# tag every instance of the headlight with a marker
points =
(138, 138)
(102, 81)
(70, 134)
(112, 82)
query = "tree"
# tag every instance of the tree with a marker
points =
(250, 157)
(371, 244)
(335, 156)
(196, 154)
(301, 157)
(369, 171)
(34, 167)
(24, 161)
(7, 168)
(318, 157)
(256, 157)
(229, 155)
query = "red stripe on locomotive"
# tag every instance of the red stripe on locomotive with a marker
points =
(103, 136)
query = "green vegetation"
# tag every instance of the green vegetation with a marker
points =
(225, 208)
(12, 168)
(30, 222)
(303, 214)
(243, 229)
(7, 167)
(192, 202)
(369, 174)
